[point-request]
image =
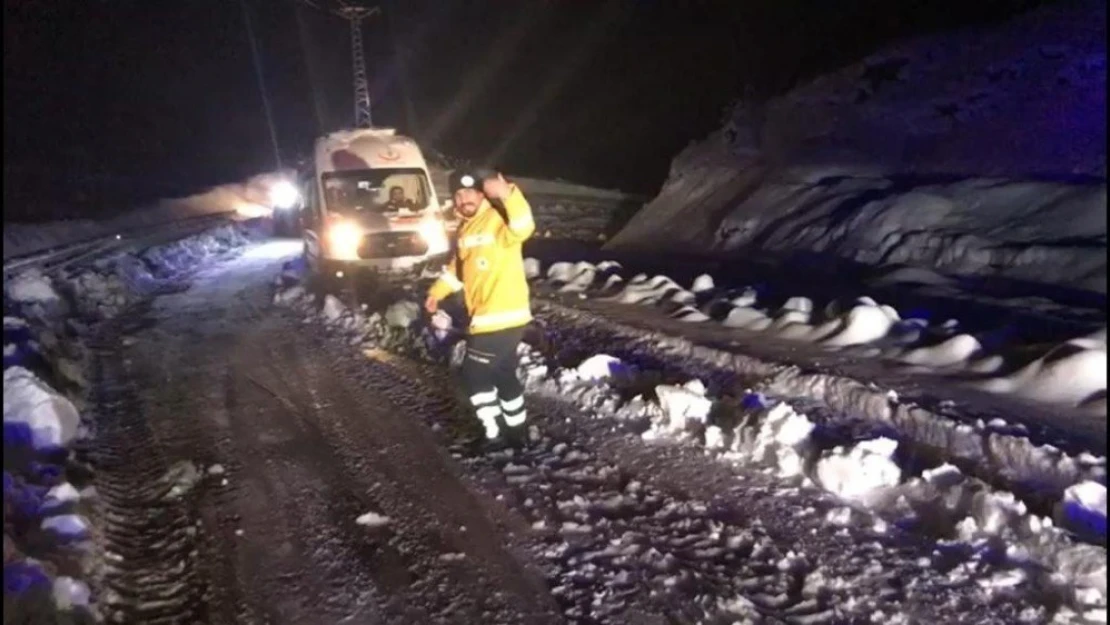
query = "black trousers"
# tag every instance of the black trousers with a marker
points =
(489, 376)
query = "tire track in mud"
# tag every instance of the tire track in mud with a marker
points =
(312, 434)
(749, 547)
(353, 468)
(458, 547)
(626, 534)
(272, 536)
(615, 548)
(147, 512)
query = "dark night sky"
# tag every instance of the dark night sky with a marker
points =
(161, 96)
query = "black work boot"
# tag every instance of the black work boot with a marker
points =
(493, 445)
(470, 430)
(488, 439)
(464, 429)
(515, 436)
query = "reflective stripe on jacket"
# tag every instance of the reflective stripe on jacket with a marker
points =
(489, 265)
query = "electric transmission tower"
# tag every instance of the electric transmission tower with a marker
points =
(355, 15)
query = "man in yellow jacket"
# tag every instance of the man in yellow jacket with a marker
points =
(488, 267)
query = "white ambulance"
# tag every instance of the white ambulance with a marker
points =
(369, 203)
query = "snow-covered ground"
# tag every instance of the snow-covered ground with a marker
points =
(244, 200)
(976, 153)
(867, 460)
(50, 511)
(1071, 374)
(1041, 453)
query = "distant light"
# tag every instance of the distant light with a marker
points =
(339, 274)
(284, 194)
(119, 236)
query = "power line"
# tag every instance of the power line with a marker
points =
(261, 83)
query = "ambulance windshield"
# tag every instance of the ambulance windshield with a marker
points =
(379, 191)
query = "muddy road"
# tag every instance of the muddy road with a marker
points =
(254, 469)
(248, 442)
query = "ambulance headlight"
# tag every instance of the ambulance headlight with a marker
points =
(284, 195)
(434, 235)
(344, 239)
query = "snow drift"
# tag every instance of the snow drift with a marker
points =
(972, 153)
(244, 200)
(1069, 374)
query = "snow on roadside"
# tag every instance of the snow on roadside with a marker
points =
(373, 520)
(993, 446)
(46, 319)
(1071, 374)
(868, 477)
(246, 200)
(1000, 452)
(1001, 546)
(51, 420)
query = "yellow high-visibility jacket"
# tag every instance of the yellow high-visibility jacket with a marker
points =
(488, 266)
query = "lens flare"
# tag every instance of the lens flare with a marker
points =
(284, 195)
(344, 239)
(435, 235)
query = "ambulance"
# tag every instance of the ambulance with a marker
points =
(369, 204)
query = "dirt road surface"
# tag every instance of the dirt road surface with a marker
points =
(255, 470)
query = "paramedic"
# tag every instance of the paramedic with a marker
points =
(488, 267)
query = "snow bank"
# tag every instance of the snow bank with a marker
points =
(780, 440)
(1071, 374)
(867, 476)
(857, 473)
(997, 452)
(46, 319)
(684, 406)
(104, 287)
(241, 201)
(50, 417)
(909, 157)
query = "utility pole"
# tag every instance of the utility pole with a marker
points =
(355, 15)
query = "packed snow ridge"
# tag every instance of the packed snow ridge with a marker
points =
(1071, 374)
(46, 320)
(1000, 453)
(244, 200)
(1006, 549)
(908, 157)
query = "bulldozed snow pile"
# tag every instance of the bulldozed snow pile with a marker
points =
(1072, 373)
(974, 153)
(244, 200)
